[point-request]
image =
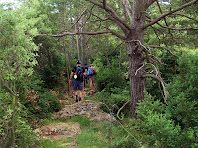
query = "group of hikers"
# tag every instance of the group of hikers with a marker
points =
(80, 76)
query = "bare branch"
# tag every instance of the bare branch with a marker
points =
(104, 4)
(154, 46)
(163, 85)
(150, 2)
(78, 18)
(77, 33)
(185, 16)
(97, 15)
(139, 69)
(111, 12)
(172, 28)
(128, 8)
(115, 33)
(169, 13)
(110, 18)
(122, 108)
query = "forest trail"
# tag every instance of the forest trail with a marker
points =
(66, 133)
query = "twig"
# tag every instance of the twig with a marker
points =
(122, 108)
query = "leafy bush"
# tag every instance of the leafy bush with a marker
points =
(183, 97)
(24, 136)
(156, 126)
(37, 99)
(114, 100)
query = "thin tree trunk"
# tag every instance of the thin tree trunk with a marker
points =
(66, 64)
(77, 39)
(11, 140)
(83, 43)
(107, 45)
(72, 45)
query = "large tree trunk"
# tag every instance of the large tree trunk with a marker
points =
(137, 82)
(135, 55)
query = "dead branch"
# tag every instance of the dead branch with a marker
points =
(97, 15)
(163, 85)
(128, 8)
(185, 16)
(114, 33)
(154, 46)
(164, 18)
(75, 33)
(110, 11)
(169, 13)
(150, 2)
(104, 3)
(172, 28)
(139, 69)
(122, 108)
(78, 18)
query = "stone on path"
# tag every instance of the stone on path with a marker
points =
(59, 131)
(86, 108)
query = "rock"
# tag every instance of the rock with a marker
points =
(87, 108)
(59, 131)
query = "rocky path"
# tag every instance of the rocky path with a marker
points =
(63, 130)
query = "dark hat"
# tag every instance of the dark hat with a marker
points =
(79, 62)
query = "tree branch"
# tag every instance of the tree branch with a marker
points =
(104, 4)
(122, 108)
(150, 2)
(78, 18)
(115, 33)
(128, 9)
(111, 12)
(77, 33)
(172, 28)
(154, 46)
(186, 16)
(162, 82)
(169, 13)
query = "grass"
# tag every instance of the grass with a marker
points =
(93, 134)
(46, 143)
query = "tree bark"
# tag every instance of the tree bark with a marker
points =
(77, 39)
(82, 43)
(135, 55)
(137, 82)
(72, 45)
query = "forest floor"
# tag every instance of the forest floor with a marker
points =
(77, 131)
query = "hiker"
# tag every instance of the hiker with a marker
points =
(92, 75)
(86, 77)
(78, 72)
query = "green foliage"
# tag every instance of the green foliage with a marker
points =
(114, 100)
(24, 133)
(109, 78)
(89, 138)
(52, 70)
(183, 96)
(38, 100)
(46, 143)
(156, 125)
(83, 121)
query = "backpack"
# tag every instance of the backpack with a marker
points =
(88, 72)
(78, 73)
(93, 71)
